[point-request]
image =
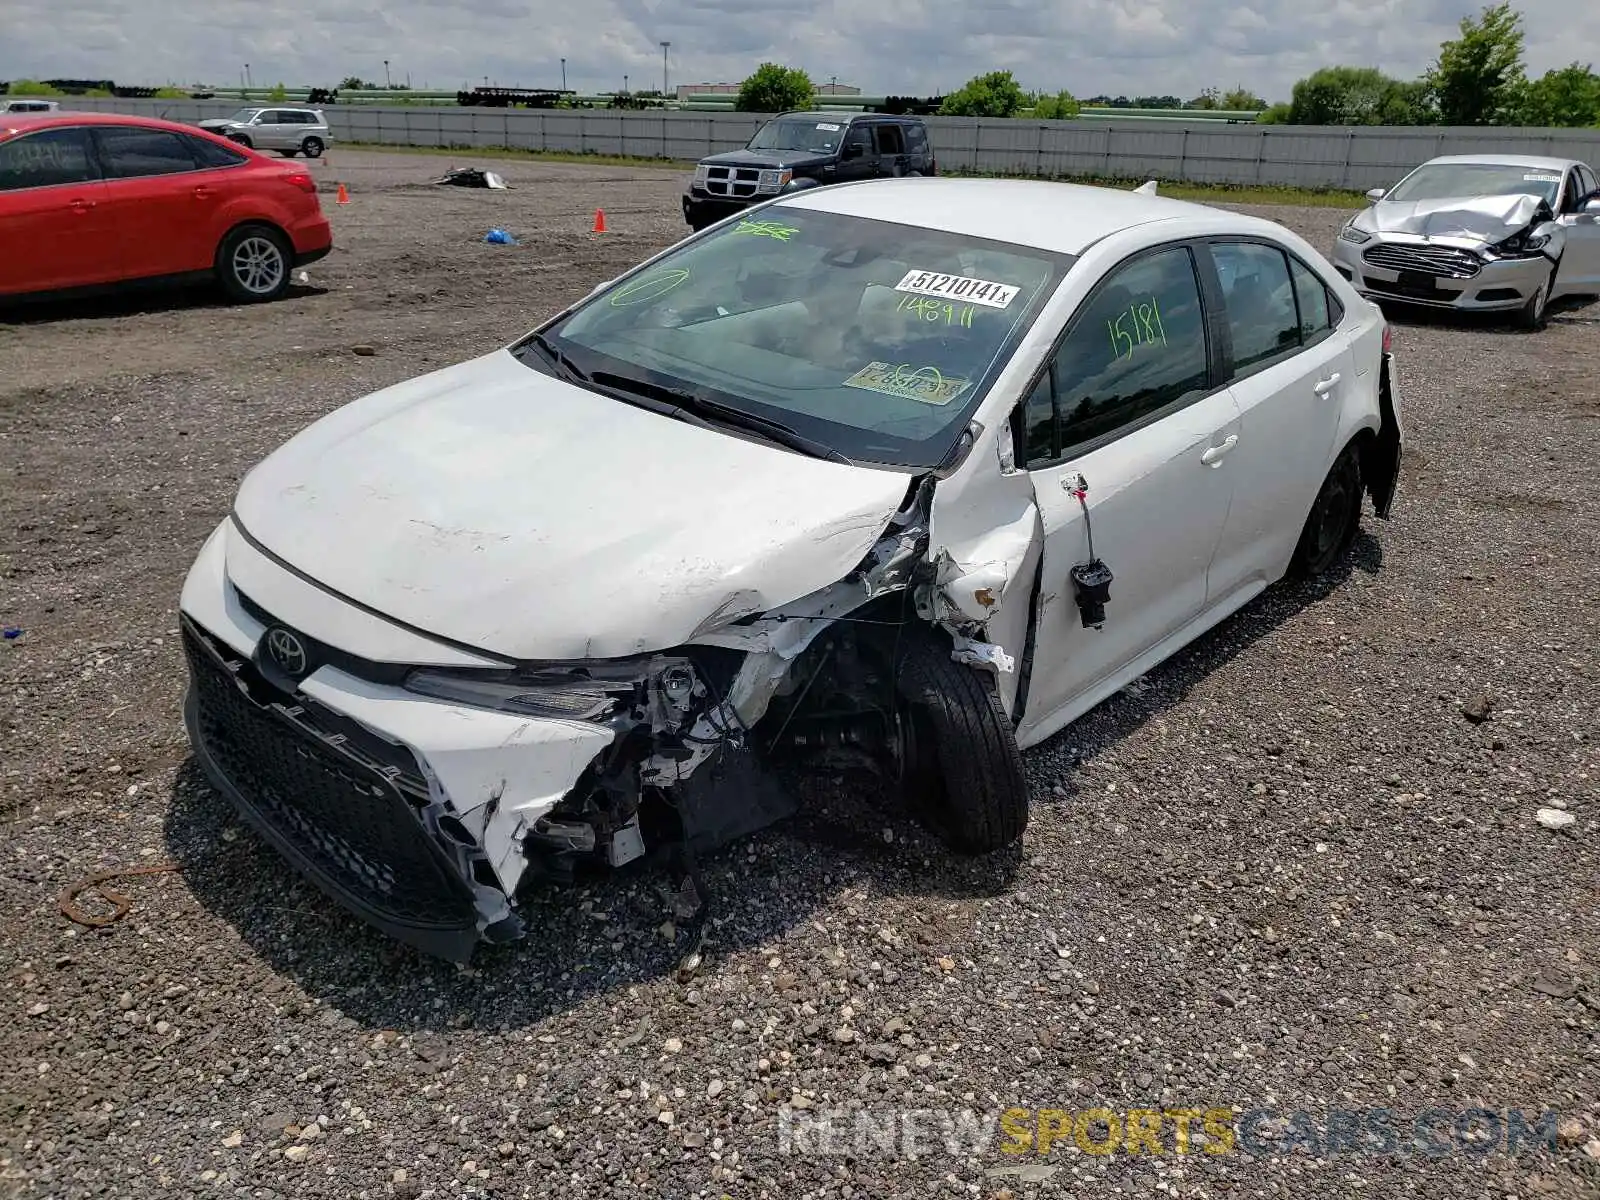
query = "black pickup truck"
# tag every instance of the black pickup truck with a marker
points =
(803, 150)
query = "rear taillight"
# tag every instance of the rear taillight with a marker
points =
(301, 180)
(1388, 339)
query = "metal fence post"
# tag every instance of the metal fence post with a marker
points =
(1105, 171)
(1183, 157)
(1038, 152)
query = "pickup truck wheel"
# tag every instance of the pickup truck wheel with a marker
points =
(253, 264)
(312, 147)
(957, 757)
(1334, 520)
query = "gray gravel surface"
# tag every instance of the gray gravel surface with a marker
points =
(1296, 868)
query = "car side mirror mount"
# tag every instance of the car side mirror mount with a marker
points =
(1591, 206)
(1377, 194)
(853, 150)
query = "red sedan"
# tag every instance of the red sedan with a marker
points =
(95, 199)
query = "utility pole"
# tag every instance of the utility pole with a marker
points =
(624, 85)
(563, 74)
(664, 46)
(247, 80)
(387, 82)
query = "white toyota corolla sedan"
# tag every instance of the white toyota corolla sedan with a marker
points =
(911, 473)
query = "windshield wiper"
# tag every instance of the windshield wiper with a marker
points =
(694, 405)
(558, 358)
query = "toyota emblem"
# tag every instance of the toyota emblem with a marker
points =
(287, 652)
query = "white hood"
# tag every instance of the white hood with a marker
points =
(1473, 218)
(498, 507)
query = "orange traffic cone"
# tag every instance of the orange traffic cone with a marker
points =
(599, 220)
(344, 196)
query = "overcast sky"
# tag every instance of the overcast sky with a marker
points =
(920, 47)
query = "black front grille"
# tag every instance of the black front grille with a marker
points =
(732, 181)
(320, 794)
(1443, 261)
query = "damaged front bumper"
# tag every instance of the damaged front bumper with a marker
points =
(423, 799)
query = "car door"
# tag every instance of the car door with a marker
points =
(889, 140)
(1291, 367)
(158, 202)
(1580, 260)
(1132, 402)
(267, 130)
(858, 159)
(55, 225)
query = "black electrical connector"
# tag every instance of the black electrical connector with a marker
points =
(1091, 581)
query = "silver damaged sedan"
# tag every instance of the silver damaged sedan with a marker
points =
(1479, 233)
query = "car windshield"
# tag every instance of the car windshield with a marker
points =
(245, 115)
(872, 338)
(1453, 181)
(814, 136)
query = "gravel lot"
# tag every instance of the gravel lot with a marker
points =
(1284, 871)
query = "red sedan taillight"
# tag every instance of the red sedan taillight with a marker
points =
(302, 180)
(1388, 339)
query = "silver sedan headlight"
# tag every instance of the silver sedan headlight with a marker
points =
(1353, 235)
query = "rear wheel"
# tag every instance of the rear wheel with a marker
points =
(957, 757)
(312, 147)
(253, 264)
(1334, 519)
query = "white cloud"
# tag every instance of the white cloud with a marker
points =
(1127, 47)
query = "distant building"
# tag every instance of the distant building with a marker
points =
(685, 90)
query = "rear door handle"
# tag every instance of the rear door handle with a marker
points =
(1327, 385)
(200, 193)
(80, 206)
(1214, 455)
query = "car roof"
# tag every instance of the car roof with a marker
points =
(14, 123)
(1064, 218)
(841, 118)
(1535, 161)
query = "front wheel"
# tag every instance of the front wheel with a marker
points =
(253, 264)
(243, 139)
(1530, 316)
(957, 757)
(1334, 520)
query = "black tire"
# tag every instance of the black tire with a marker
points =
(1334, 520)
(254, 264)
(959, 764)
(1530, 317)
(312, 147)
(243, 139)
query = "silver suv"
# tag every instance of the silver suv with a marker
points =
(289, 131)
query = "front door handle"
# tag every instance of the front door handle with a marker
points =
(1327, 385)
(80, 206)
(200, 193)
(1214, 455)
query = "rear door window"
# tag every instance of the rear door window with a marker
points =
(209, 154)
(1262, 312)
(890, 140)
(133, 153)
(49, 158)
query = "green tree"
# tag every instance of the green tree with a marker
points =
(774, 89)
(996, 94)
(354, 83)
(1059, 107)
(1478, 78)
(1242, 99)
(1567, 97)
(1358, 96)
(1275, 114)
(1207, 100)
(31, 87)
(278, 94)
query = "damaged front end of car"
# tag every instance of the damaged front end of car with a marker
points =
(430, 801)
